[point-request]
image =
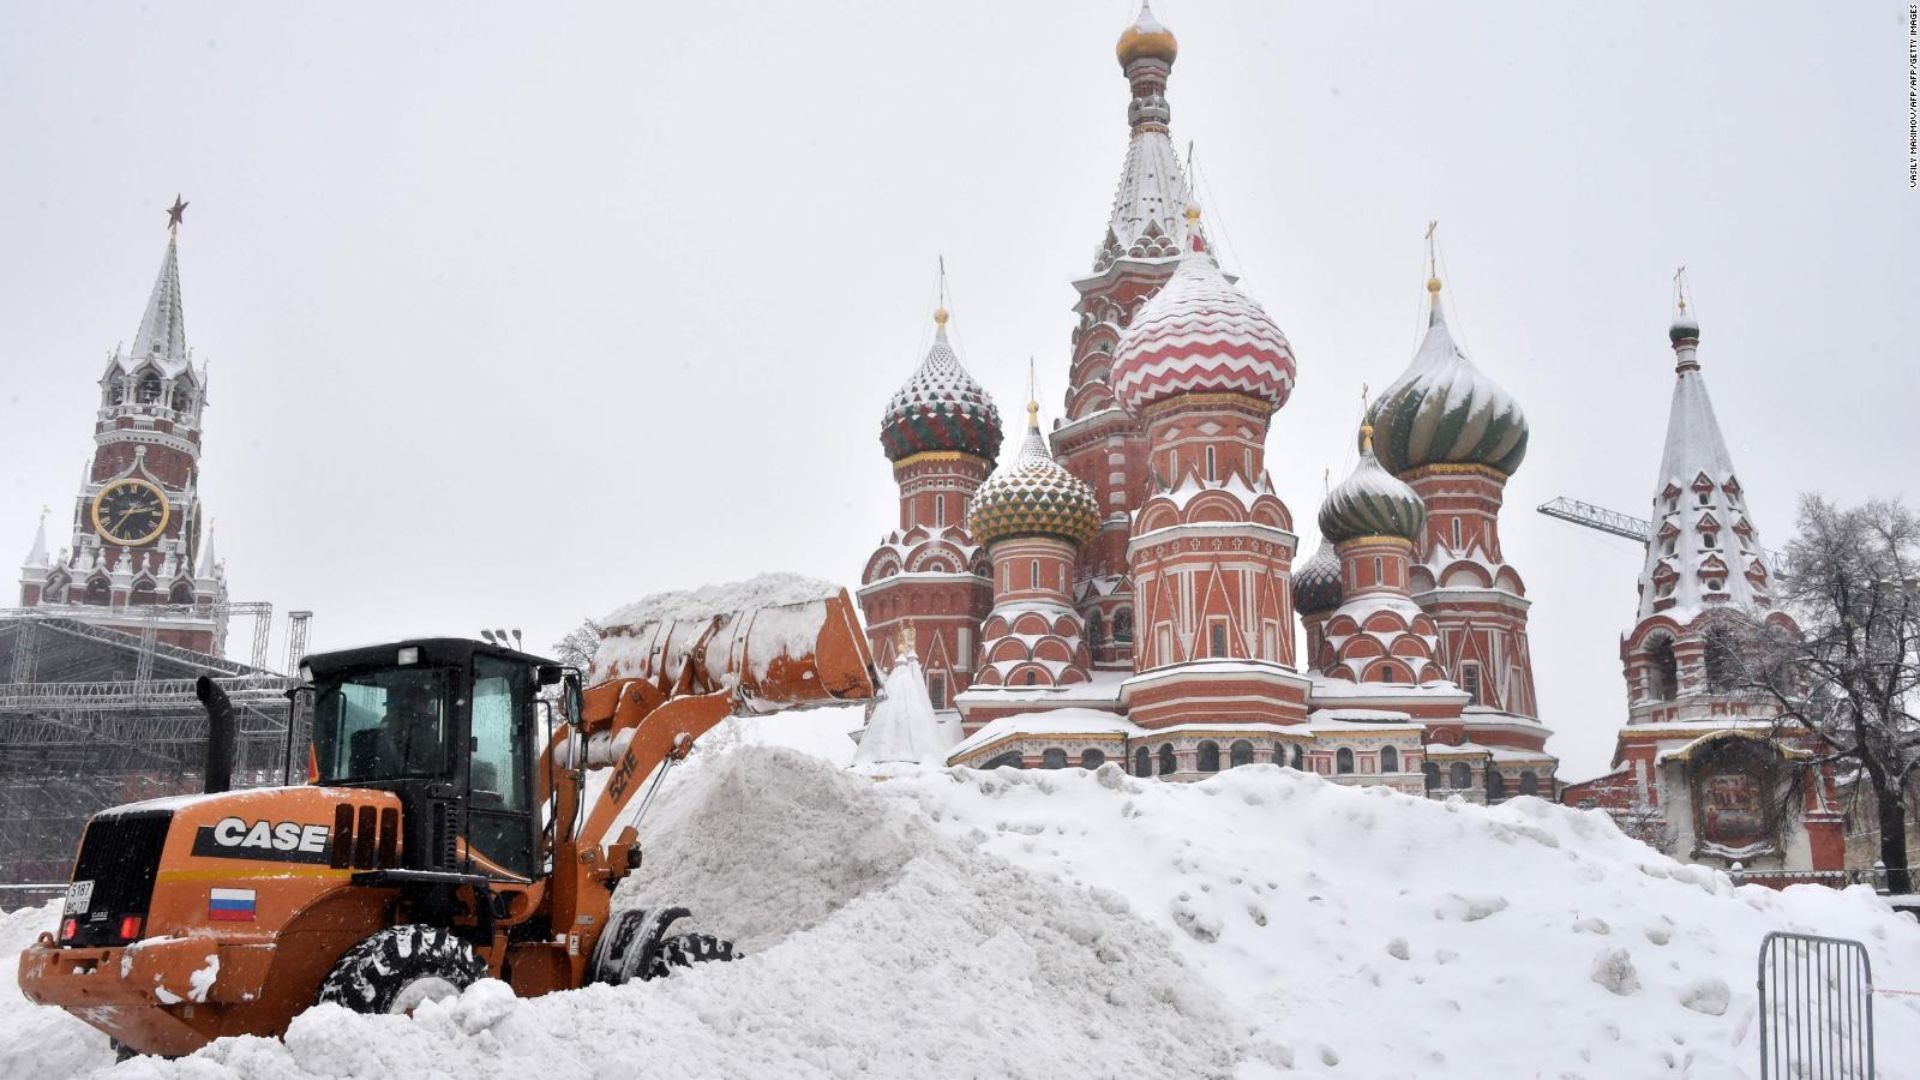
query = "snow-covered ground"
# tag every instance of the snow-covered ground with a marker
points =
(954, 923)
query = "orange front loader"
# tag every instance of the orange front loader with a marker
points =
(469, 813)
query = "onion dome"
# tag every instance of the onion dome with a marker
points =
(1685, 327)
(1316, 585)
(1200, 334)
(1371, 502)
(1033, 496)
(1445, 411)
(941, 408)
(1146, 39)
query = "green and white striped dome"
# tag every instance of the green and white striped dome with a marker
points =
(1446, 411)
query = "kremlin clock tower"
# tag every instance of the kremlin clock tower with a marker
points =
(138, 561)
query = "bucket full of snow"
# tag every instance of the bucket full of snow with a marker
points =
(783, 640)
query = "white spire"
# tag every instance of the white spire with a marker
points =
(162, 336)
(37, 557)
(903, 727)
(209, 565)
(1704, 551)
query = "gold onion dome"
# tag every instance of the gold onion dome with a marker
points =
(1316, 585)
(1146, 39)
(941, 408)
(1371, 502)
(1033, 496)
(1445, 411)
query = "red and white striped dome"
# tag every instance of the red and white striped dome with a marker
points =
(1200, 334)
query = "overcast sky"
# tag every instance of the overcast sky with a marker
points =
(518, 313)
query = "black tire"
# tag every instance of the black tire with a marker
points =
(400, 967)
(686, 950)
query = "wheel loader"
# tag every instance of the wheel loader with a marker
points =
(468, 813)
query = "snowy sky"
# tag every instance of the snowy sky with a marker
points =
(516, 317)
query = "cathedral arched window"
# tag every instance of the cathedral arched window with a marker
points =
(1343, 761)
(1123, 626)
(1529, 783)
(1033, 574)
(182, 594)
(1210, 464)
(1496, 785)
(1460, 776)
(98, 591)
(1299, 757)
(1240, 753)
(1009, 760)
(1722, 660)
(145, 594)
(1142, 762)
(1456, 534)
(148, 392)
(1092, 758)
(1432, 774)
(1389, 673)
(1389, 759)
(1217, 637)
(1168, 763)
(116, 390)
(1095, 630)
(1209, 756)
(1663, 671)
(1032, 677)
(937, 691)
(182, 399)
(1053, 758)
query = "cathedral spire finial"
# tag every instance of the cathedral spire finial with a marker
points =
(940, 311)
(1433, 270)
(174, 215)
(162, 336)
(1033, 399)
(1685, 331)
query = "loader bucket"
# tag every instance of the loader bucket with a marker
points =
(783, 641)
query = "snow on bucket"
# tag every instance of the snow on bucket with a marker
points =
(783, 640)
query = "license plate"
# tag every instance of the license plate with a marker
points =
(79, 897)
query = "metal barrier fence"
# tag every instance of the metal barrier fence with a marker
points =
(1816, 1008)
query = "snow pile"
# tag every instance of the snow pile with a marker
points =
(766, 590)
(36, 1041)
(904, 727)
(1365, 933)
(1261, 924)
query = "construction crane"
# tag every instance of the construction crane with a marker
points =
(1615, 523)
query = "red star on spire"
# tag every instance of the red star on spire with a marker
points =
(175, 212)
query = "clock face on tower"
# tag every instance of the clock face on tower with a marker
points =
(130, 512)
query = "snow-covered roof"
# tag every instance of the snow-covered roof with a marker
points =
(162, 337)
(1371, 502)
(1695, 461)
(1070, 721)
(1200, 333)
(1444, 410)
(941, 408)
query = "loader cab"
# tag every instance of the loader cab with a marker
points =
(449, 726)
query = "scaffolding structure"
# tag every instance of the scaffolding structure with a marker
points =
(92, 716)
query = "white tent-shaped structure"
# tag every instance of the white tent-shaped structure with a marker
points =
(903, 727)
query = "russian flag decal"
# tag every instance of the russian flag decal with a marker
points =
(230, 905)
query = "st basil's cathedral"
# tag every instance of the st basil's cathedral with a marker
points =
(1125, 588)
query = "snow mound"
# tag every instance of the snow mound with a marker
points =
(1263, 923)
(879, 947)
(766, 590)
(1364, 933)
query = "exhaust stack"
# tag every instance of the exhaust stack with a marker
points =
(219, 771)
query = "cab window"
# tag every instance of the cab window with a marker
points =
(502, 735)
(383, 725)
